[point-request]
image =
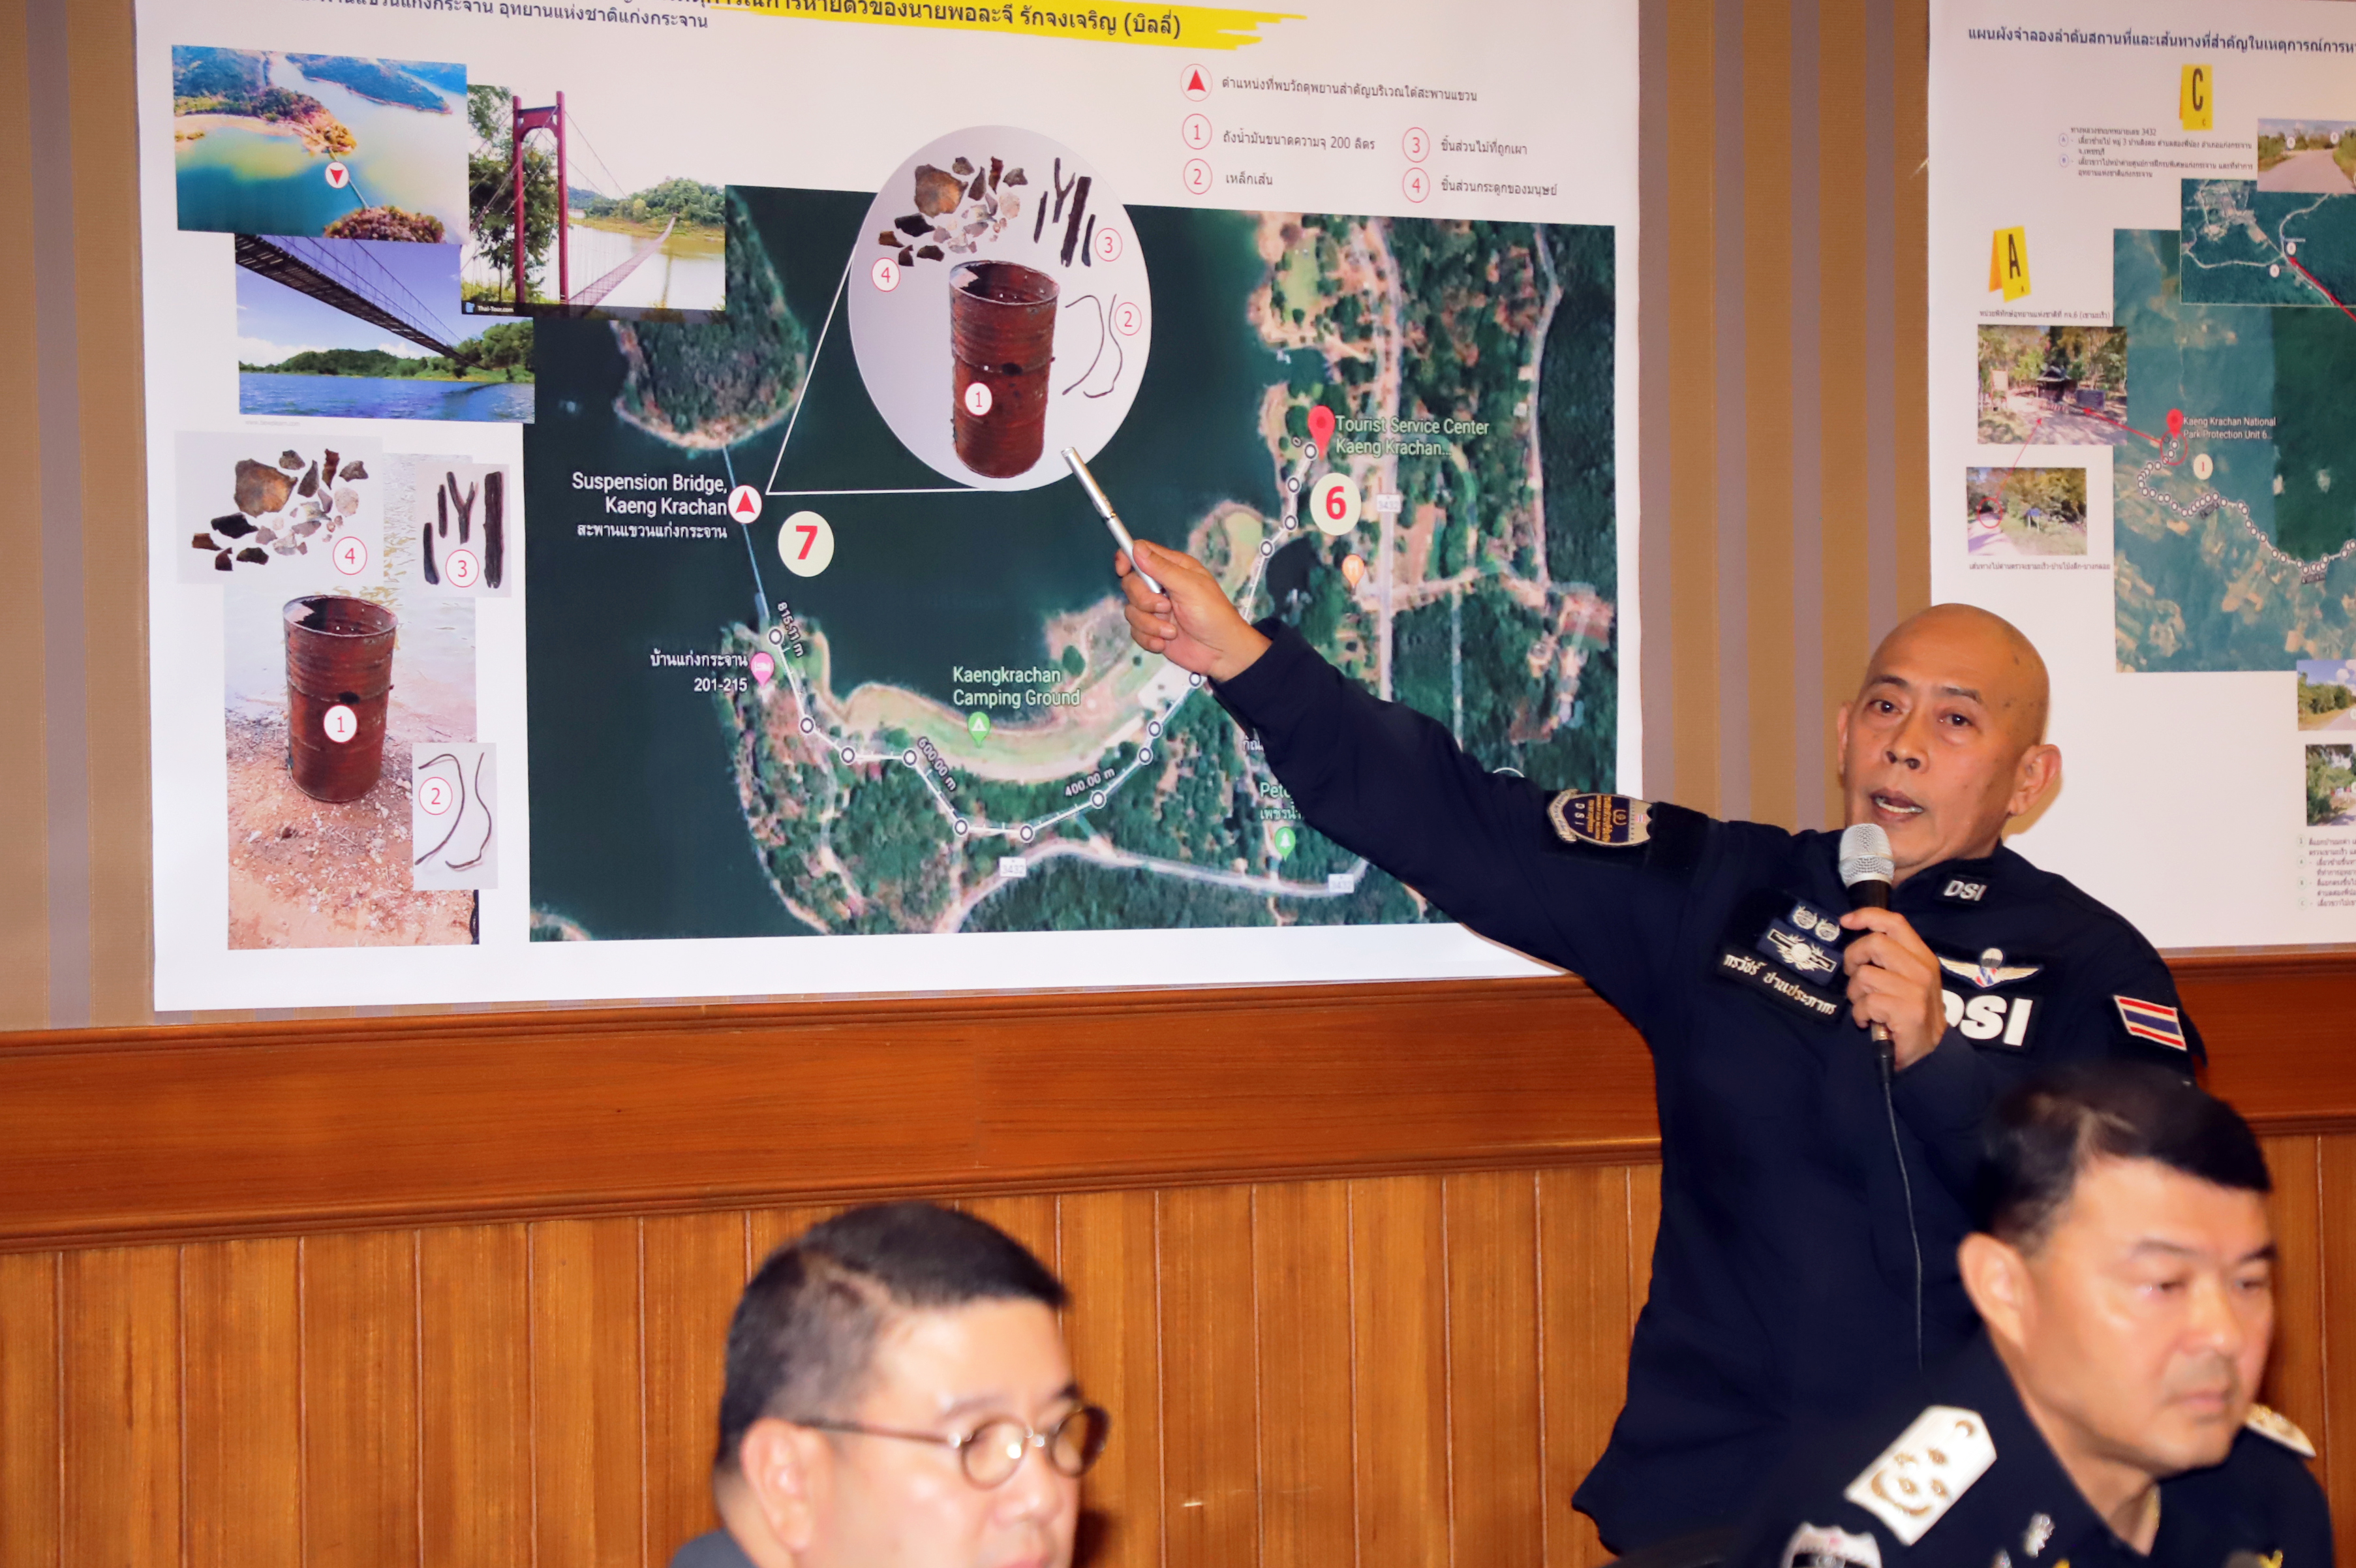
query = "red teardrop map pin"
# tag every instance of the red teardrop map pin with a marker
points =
(2176, 422)
(1321, 427)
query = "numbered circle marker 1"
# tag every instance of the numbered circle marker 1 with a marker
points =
(1416, 144)
(1128, 319)
(435, 796)
(1197, 131)
(351, 556)
(744, 504)
(977, 399)
(886, 273)
(1416, 184)
(340, 724)
(1197, 175)
(463, 569)
(2203, 466)
(1108, 243)
(806, 543)
(338, 175)
(1333, 504)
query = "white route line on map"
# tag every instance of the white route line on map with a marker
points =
(2209, 501)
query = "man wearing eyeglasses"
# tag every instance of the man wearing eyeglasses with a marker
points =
(898, 1395)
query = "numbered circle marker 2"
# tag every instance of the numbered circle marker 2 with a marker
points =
(1197, 176)
(1128, 319)
(1416, 184)
(978, 400)
(351, 556)
(886, 273)
(435, 796)
(340, 724)
(744, 504)
(806, 543)
(463, 569)
(1333, 504)
(1108, 243)
(338, 175)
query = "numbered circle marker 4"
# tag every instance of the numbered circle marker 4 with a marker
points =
(339, 724)
(463, 569)
(1197, 176)
(1333, 504)
(435, 796)
(1416, 184)
(977, 399)
(886, 273)
(351, 556)
(806, 543)
(338, 175)
(745, 504)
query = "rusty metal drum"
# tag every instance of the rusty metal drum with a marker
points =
(338, 680)
(1002, 341)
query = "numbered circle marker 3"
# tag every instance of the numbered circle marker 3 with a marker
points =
(463, 569)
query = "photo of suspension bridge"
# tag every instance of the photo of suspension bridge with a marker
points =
(365, 329)
(645, 242)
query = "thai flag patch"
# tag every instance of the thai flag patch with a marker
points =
(2150, 1021)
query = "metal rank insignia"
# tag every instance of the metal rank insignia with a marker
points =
(1616, 822)
(1917, 1480)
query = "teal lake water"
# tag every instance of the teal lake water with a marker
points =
(374, 397)
(241, 178)
(636, 827)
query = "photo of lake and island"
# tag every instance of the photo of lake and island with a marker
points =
(326, 145)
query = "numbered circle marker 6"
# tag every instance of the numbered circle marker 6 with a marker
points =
(1333, 504)
(806, 543)
(435, 795)
(886, 273)
(351, 557)
(463, 569)
(977, 399)
(340, 724)
(1107, 245)
(744, 504)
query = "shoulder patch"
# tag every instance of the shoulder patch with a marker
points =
(1616, 822)
(2273, 1424)
(1912, 1483)
(1829, 1546)
(2150, 1021)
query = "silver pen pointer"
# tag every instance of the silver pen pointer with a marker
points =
(1104, 509)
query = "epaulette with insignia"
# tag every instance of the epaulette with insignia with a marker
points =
(2273, 1424)
(1914, 1481)
(1829, 1546)
(1614, 822)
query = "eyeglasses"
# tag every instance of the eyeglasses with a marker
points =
(993, 1452)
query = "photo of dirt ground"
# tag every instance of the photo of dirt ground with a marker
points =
(305, 872)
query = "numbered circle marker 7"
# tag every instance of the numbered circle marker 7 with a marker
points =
(806, 543)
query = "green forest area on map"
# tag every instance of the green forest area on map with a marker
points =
(1470, 369)
(2234, 540)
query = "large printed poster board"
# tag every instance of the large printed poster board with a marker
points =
(610, 534)
(2143, 435)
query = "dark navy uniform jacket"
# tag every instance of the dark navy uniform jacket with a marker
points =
(1784, 1274)
(1954, 1474)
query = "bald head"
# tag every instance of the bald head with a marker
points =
(1946, 740)
(1966, 637)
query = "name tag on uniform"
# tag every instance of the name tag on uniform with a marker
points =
(1918, 1479)
(1797, 960)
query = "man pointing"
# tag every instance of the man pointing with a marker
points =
(1810, 1207)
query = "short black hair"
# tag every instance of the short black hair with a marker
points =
(2042, 1134)
(804, 1332)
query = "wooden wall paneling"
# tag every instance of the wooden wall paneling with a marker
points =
(1496, 1442)
(588, 1429)
(1643, 1228)
(1107, 1240)
(361, 1434)
(120, 1316)
(1210, 1405)
(767, 1230)
(1585, 1311)
(240, 1378)
(30, 1474)
(693, 1270)
(2336, 1194)
(1398, 1252)
(1763, 195)
(2294, 1383)
(1028, 1217)
(1308, 1474)
(1844, 517)
(24, 769)
(475, 1396)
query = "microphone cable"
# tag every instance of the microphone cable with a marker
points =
(1906, 1184)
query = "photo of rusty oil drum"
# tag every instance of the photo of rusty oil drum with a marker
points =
(1001, 339)
(339, 663)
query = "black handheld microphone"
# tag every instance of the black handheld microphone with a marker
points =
(1865, 869)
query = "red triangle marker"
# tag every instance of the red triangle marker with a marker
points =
(744, 504)
(1195, 81)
